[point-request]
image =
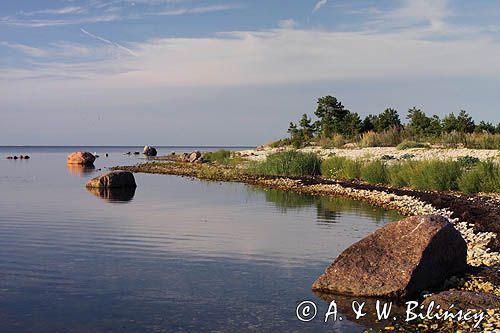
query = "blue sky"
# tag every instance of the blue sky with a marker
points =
(189, 72)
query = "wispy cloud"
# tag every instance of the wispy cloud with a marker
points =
(107, 41)
(56, 11)
(318, 5)
(26, 49)
(40, 23)
(198, 10)
(432, 12)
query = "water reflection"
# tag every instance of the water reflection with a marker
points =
(328, 208)
(113, 194)
(370, 320)
(80, 170)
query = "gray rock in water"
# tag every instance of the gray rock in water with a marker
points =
(401, 258)
(113, 179)
(150, 151)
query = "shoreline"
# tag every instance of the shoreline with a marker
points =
(483, 257)
(473, 216)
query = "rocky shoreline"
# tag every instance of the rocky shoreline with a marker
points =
(475, 217)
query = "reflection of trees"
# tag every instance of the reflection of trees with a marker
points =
(328, 208)
(286, 200)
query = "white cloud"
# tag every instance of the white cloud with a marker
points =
(284, 55)
(197, 10)
(318, 5)
(26, 49)
(40, 23)
(432, 12)
(57, 11)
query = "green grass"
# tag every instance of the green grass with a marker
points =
(341, 168)
(430, 175)
(374, 172)
(221, 156)
(483, 177)
(406, 144)
(289, 163)
(467, 175)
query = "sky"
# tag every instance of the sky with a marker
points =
(198, 72)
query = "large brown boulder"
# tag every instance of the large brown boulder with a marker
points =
(399, 259)
(113, 179)
(81, 157)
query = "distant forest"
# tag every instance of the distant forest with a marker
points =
(335, 126)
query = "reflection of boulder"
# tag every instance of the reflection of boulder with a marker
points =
(81, 157)
(399, 259)
(79, 169)
(113, 194)
(113, 179)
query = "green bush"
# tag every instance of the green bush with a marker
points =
(341, 168)
(436, 175)
(400, 174)
(483, 177)
(289, 163)
(374, 172)
(221, 156)
(280, 143)
(411, 144)
(468, 161)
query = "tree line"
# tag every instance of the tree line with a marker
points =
(332, 118)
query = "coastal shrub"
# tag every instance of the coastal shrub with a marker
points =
(389, 138)
(221, 156)
(289, 163)
(374, 172)
(482, 141)
(406, 144)
(336, 141)
(400, 174)
(406, 156)
(483, 177)
(436, 175)
(453, 139)
(280, 143)
(468, 161)
(341, 168)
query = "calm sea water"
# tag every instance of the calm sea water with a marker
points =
(176, 255)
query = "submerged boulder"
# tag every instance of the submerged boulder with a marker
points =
(150, 151)
(113, 179)
(399, 259)
(81, 157)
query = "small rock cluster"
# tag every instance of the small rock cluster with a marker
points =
(21, 157)
(149, 151)
(193, 157)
